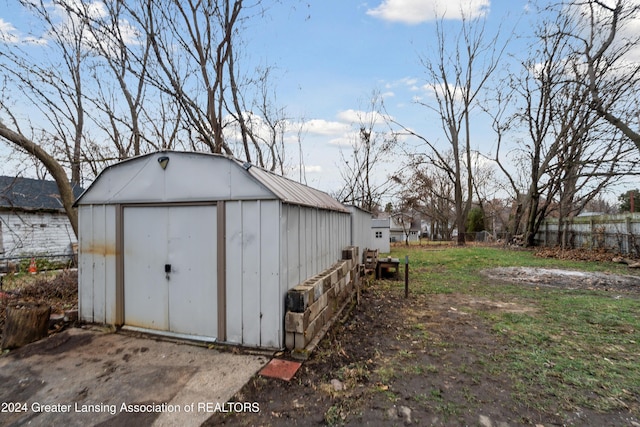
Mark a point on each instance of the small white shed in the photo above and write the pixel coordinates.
(381, 235)
(201, 246)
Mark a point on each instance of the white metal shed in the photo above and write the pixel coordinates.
(380, 233)
(201, 246)
(360, 229)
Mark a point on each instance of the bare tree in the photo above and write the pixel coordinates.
(125, 57)
(457, 75)
(265, 126)
(55, 88)
(608, 49)
(368, 151)
(54, 167)
(569, 153)
(54, 85)
(429, 191)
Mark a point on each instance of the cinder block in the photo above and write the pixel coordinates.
(295, 301)
(344, 267)
(327, 283)
(300, 341)
(350, 252)
(315, 326)
(290, 340)
(296, 322)
(299, 298)
(318, 289)
(334, 277)
(318, 306)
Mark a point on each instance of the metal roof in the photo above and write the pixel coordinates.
(282, 188)
(293, 192)
(380, 223)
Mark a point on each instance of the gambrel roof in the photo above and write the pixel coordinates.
(194, 177)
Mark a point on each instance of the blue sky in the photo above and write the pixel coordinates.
(333, 54)
(330, 55)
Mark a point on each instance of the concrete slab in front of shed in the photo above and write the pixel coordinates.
(279, 368)
(87, 377)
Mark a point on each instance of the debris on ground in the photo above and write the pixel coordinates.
(600, 255)
(60, 292)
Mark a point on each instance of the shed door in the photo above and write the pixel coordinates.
(170, 281)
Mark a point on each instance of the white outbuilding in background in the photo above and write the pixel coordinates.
(201, 246)
(380, 235)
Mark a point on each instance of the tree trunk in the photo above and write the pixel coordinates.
(25, 323)
(53, 166)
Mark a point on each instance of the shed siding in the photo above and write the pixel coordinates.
(252, 273)
(97, 263)
(360, 229)
(271, 303)
(313, 239)
(234, 267)
(35, 233)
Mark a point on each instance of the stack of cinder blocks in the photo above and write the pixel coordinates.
(313, 304)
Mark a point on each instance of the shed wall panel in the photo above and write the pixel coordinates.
(293, 243)
(99, 250)
(360, 229)
(96, 261)
(271, 301)
(85, 264)
(234, 271)
(111, 255)
(305, 253)
(251, 273)
(314, 247)
(254, 313)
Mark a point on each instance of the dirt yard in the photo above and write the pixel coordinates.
(427, 360)
(420, 361)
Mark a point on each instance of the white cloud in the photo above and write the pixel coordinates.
(418, 11)
(325, 127)
(346, 140)
(8, 33)
(309, 168)
(11, 35)
(359, 116)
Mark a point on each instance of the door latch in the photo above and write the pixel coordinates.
(167, 270)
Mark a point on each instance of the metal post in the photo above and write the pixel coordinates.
(406, 276)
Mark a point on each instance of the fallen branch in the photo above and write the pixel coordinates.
(630, 262)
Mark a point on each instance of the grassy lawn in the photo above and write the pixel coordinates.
(579, 348)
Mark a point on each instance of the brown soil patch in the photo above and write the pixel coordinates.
(428, 357)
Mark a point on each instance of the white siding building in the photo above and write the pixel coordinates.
(33, 222)
(380, 235)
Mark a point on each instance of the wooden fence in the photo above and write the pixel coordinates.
(618, 233)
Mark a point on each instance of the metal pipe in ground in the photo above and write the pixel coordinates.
(406, 276)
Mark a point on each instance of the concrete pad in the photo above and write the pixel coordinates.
(90, 378)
